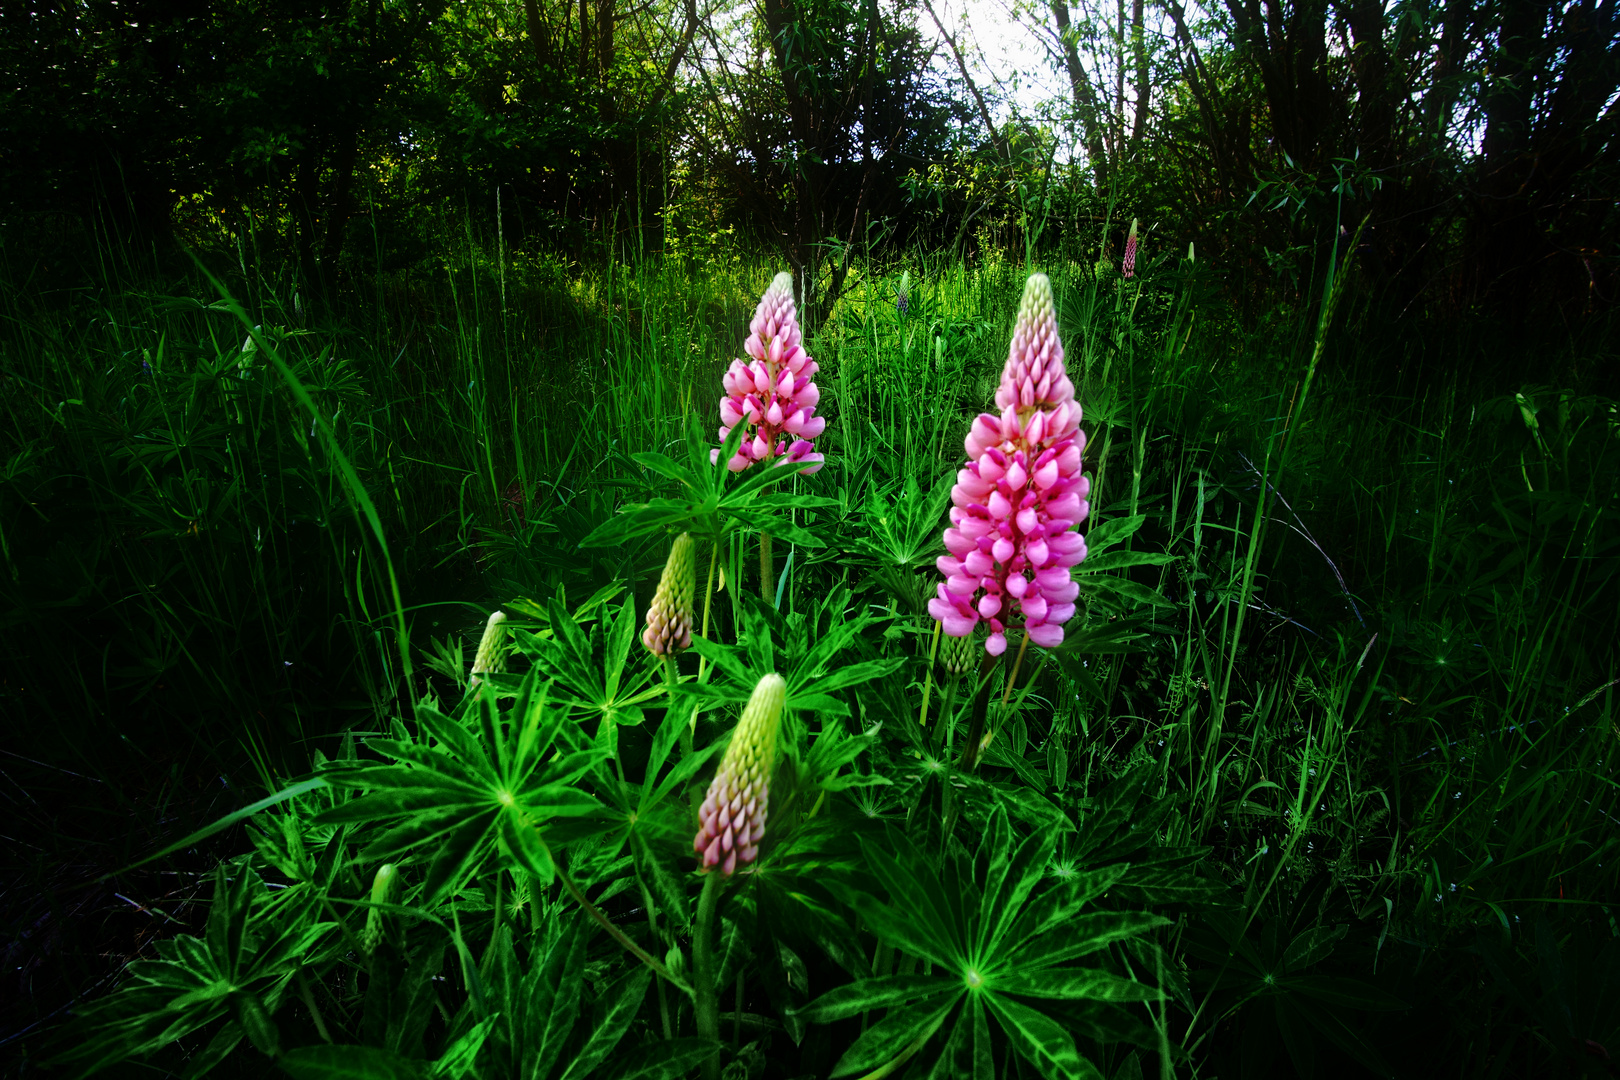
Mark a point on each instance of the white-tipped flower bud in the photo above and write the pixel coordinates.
(732, 818)
(385, 889)
(490, 657)
(669, 618)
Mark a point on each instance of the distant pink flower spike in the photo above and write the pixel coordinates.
(1015, 504)
(775, 394)
(1130, 251)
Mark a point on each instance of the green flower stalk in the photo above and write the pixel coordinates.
(669, 618)
(490, 659)
(385, 889)
(732, 818)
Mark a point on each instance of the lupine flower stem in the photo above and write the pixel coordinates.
(981, 708)
(706, 1002)
(708, 599)
(613, 931)
(767, 570)
(928, 679)
(652, 927)
(946, 701)
(1018, 662)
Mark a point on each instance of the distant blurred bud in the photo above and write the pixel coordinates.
(490, 658)
(669, 617)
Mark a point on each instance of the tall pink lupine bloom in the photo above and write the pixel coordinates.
(774, 393)
(1012, 540)
(731, 821)
(1130, 251)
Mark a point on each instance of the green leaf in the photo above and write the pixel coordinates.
(1040, 1039)
(1118, 560)
(661, 1060)
(1113, 531)
(1130, 590)
(663, 466)
(1312, 946)
(1343, 993)
(1059, 904)
(624, 998)
(1070, 983)
(880, 993)
(1082, 935)
(461, 849)
(347, 1062)
(523, 843)
(889, 1037)
(460, 1056)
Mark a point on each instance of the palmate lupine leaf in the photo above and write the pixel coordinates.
(713, 501)
(603, 688)
(811, 658)
(647, 817)
(464, 795)
(997, 948)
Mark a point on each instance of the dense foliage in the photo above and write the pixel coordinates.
(329, 330)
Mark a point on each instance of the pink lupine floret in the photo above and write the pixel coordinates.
(774, 392)
(1016, 502)
(1130, 251)
(731, 821)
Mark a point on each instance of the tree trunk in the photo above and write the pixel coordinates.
(1085, 96)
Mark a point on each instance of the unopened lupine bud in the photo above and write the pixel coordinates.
(774, 395)
(1020, 495)
(731, 821)
(956, 654)
(385, 887)
(490, 658)
(669, 617)
(1130, 251)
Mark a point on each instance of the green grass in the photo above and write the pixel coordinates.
(1381, 720)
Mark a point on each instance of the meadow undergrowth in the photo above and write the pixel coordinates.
(1321, 779)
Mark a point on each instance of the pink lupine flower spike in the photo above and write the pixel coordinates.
(1015, 504)
(774, 393)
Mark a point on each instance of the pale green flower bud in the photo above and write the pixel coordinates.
(490, 659)
(732, 818)
(385, 889)
(669, 618)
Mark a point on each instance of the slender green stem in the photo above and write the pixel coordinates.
(613, 931)
(708, 598)
(1018, 662)
(928, 679)
(706, 1002)
(767, 570)
(652, 926)
(946, 701)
